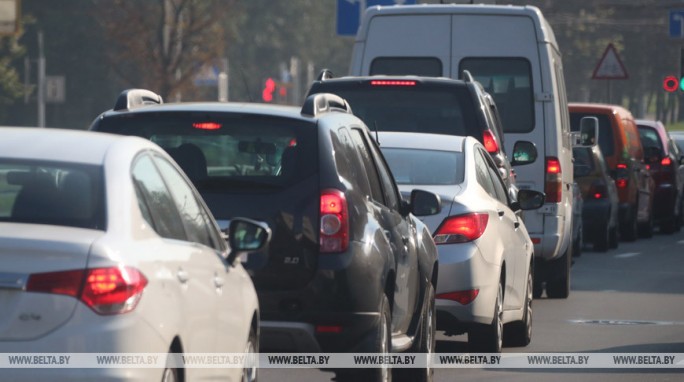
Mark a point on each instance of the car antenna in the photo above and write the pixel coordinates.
(375, 127)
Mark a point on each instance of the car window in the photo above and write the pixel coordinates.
(482, 174)
(52, 193)
(346, 160)
(389, 188)
(499, 187)
(155, 200)
(417, 166)
(509, 81)
(369, 167)
(198, 225)
(649, 138)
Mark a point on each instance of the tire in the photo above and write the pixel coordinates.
(424, 344)
(629, 228)
(558, 284)
(519, 333)
(602, 241)
(578, 243)
(613, 237)
(646, 229)
(250, 370)
(489, 338)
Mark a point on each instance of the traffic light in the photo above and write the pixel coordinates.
(269, 88)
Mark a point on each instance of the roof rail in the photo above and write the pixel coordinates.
(132, 98)
(316, 104)
(467, 77)
(325, 74)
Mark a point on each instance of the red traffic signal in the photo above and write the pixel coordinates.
(671, 84)
(269, 88)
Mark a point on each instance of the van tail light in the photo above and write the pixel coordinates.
(553, 186)
(666, 161)
(334, 236)
(463, 297)
(490, 143)
(461, 228)
(621, 177)
(112, 290)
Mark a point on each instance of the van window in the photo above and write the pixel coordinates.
(605, 130)
(509, 81)
(418, 66)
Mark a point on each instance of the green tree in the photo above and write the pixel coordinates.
(11, 86)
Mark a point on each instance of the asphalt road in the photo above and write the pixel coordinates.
(627, 300)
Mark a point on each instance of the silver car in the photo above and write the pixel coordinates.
(485, 252)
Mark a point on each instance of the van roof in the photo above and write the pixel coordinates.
(598, 107)
(543, 29)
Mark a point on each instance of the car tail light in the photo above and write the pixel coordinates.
(621, 178)
(461, 228)
(392, 83)
(334, 222)
(554, 181)
(598, 191)
(329, 329)
(666, 161)
(206, 125)
(490, 143)
(463, 297)
(112, 290)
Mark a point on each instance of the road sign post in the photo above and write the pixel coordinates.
(349, 13)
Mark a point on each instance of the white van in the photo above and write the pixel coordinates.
(512, 52)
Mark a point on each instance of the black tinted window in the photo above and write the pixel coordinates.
(419, 108)
(64, 194)
(369, 166)
(418, 66)
(509, 81)
(605, 130)
(649, 138)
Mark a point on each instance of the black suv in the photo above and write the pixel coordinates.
(429, 105)
(349, 267)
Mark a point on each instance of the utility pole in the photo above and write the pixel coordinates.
(41, 81)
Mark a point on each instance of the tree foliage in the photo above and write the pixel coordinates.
(11, 86)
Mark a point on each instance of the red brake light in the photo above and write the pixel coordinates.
(463, 297)
(666, 161)
(621, 183)
(392, 83)
(112, 290)
(328, 329)
(66, 282)
(554, 182)
(206, 125)
(490, 143)
(461, 228)
(621, 166)
(334, 231)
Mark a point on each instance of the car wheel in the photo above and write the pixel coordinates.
(249, 370)
(646, 229)
(171, 374)
(558, 284)
(424, 345)
(613, 238)
(519, 333)
(489, 338)
(629, 228)
(602, 240)
(578, 243)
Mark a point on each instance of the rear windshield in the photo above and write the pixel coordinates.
(52, 193)
(219, 153)
(605, 130)
(509, 81)
(414, 166)
(419, 108)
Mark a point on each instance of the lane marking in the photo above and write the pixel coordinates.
(626, 255)
(680, 242)
(625, 322)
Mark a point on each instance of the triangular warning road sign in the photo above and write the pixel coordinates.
(610, 66)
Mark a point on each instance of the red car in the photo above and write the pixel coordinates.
(667, 170)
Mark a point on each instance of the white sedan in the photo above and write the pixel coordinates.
(485, 252)
(107, 248)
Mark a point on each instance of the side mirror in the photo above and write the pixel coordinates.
(424, 203)
(528, 200)
(246, 235)
(524, 152)
(589, 134)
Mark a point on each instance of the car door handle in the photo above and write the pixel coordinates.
(218, 282)
(405, 240)
(516, 224)
(182, 275)
(500, 212)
